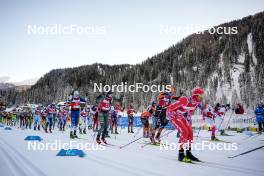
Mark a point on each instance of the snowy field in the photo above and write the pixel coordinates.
(16, 159)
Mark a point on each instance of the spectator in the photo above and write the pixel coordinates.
(239, 109)
(260, 117)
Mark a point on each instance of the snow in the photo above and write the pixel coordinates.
(16, 159)
(241, 58)
(250, 48)
(249, 43)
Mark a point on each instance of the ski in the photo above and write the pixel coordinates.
(225, 134)
(219, 140)
(252, 136)
(149, 143)
(107, 145)
(249, 151)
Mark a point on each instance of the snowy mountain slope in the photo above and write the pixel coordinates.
(230, 67)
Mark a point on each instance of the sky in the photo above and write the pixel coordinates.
(118, 31)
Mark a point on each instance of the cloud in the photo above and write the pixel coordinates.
(4, 78)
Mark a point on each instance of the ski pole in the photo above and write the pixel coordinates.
(221, 123)
(138, 131)
(199, 131)
(130, 142)
(229, 120)
(160, 138)
(246, 152)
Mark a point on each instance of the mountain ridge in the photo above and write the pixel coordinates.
(229, 67)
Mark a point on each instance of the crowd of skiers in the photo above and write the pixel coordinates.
(103, 117)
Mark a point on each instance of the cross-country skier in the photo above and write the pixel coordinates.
(50, 110)
(63, 113)
(130, 116)
(209, 117)
(160, 120)
(37, 118)
(220, 115)
(147, 120)
(175, 112)
(84, 120)
(75, 107)
(105, 102)
(115, 111)
(94, 113)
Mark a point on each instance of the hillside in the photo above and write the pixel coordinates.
(230, 67)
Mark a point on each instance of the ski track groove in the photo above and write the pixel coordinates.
(11, 163)
(223, 167)
(229, 168)
(122, 165)
(25, 166)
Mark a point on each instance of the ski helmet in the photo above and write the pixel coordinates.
(197, 94)
(76, 93)
(198, 91)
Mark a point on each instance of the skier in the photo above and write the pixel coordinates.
(115, 110)
(94, 113)
(260, 117)
(209, 118)
(50, 110)
(62, 118)
(75, 105)
(83, 121)
(130, 116)
(147, 120)
(160, 120)
(220, 115)
(175, 112)
(105, 101)
(14, 118)
(37, 118)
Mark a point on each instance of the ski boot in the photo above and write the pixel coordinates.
(103, 140)
(178, 134)
(71, 135)
(84, 131)
(50, 131)
(107, 135)
(152, 140)
(157, 138)
(80, 131)
(183, 158)
(74, 134)
(46, 131)
(213, 138)
(39, 128)
(98, 140)
(116, 132)
(190, 156)
(34, 128)
(132, 130)
(181, 155)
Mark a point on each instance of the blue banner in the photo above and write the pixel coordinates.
(71, 152)
(123, 122)
(8, 128)
(33, 138)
